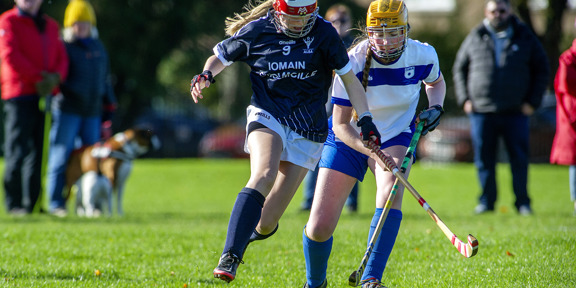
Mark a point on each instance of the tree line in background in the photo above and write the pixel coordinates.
(157, 46)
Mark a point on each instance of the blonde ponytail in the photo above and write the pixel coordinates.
(365, 74)
(253, 11)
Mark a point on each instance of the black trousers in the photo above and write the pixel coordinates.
(23, 140)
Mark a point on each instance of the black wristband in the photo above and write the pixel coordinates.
(209, 76)
(438, 107)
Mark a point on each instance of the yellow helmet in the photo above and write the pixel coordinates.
(387, 27)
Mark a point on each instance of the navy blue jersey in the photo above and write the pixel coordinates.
(290, 76)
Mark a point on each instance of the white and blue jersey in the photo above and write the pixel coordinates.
(393, 89)
(290, 76)
(393, 92)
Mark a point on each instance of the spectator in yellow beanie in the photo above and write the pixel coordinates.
(87, 100)
(79, 11)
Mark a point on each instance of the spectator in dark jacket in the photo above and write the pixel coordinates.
(33, 61)
(77, 113)
(500, 74)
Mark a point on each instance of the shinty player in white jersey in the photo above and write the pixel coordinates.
(392, 68)
(287, 121)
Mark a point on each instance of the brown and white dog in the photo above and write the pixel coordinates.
(104, 167)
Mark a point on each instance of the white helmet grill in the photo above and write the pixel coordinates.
(295, 18)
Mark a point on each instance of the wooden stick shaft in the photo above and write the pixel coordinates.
(376, 233)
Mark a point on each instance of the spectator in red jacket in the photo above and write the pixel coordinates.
(33, 63)
(563, 147)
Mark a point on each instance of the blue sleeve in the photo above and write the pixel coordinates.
(341, 102)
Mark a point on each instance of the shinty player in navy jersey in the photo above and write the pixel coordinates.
(291, 52)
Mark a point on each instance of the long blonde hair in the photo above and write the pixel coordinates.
(253, 11)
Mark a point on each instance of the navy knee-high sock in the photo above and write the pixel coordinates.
(384, 244)
(244, 218)
(316, 255)
(257, 236)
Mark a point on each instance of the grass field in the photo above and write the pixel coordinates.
(177, 213)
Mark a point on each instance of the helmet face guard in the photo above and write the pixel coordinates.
(387, 28)
(388, 43)
(295, 18)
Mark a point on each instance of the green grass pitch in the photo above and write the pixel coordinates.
(177, 213)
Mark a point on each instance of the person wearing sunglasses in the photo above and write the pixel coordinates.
(500, 75)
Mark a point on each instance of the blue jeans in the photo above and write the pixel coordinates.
(66, 127)
(310, 186)
(572, 179)
(486, 130)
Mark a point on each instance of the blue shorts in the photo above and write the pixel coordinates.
(340, 157)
